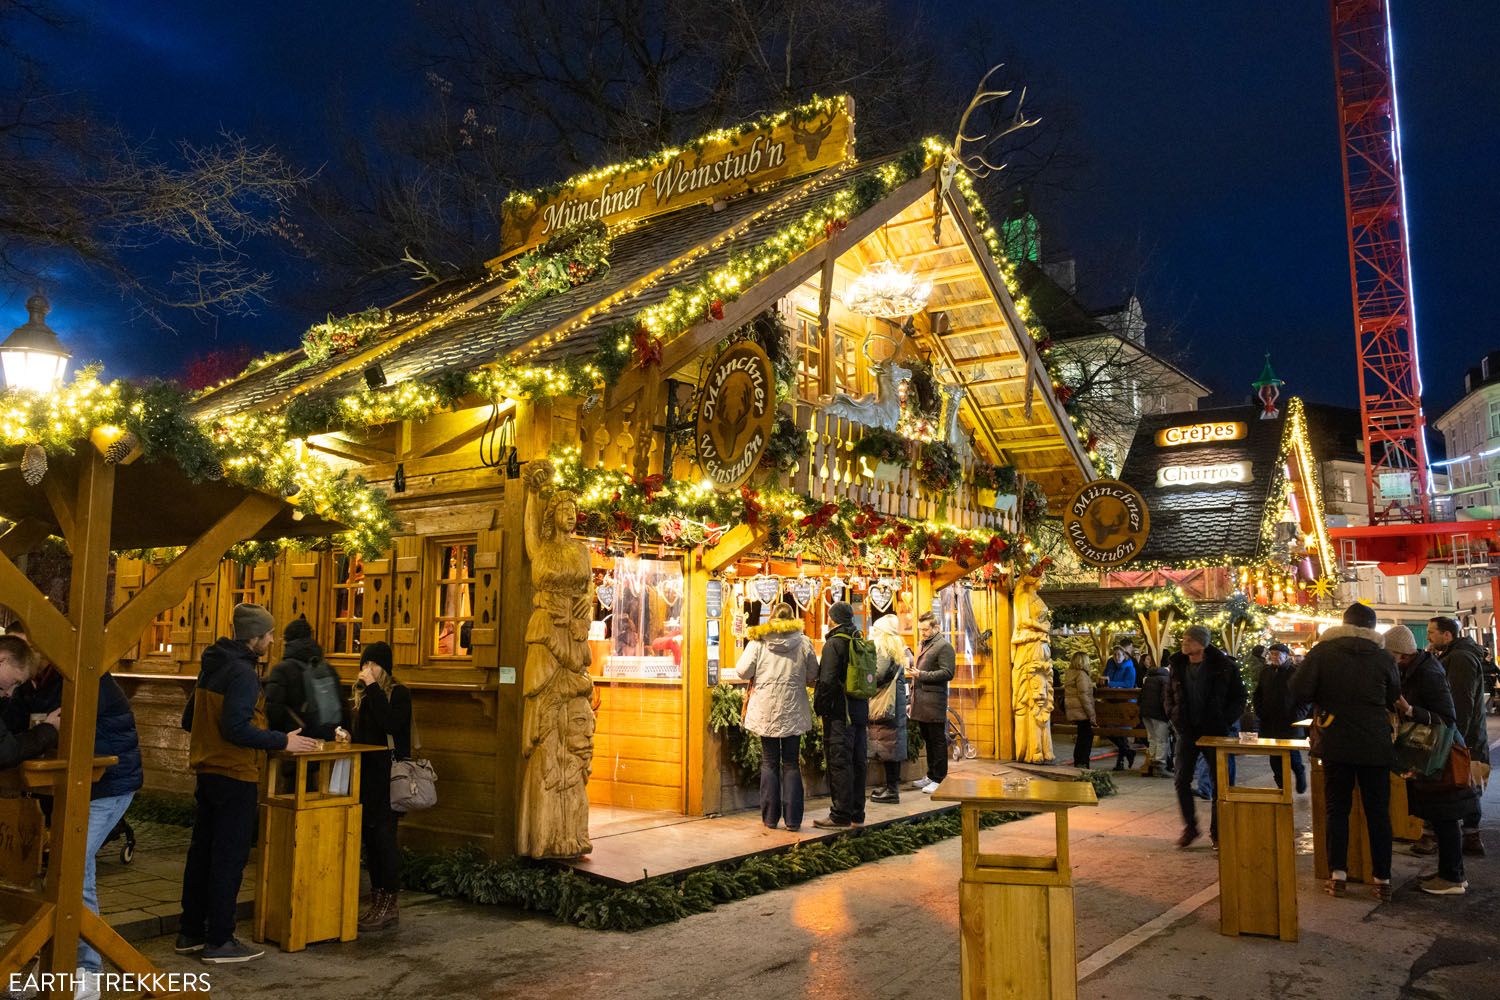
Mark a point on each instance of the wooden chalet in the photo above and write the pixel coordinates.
(453, 594)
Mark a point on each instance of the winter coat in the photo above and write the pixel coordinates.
(227, 715)
(1275, 706)
(1078, 695)
(829, 699)
(115, 736)
(1425, 687)
(936, 664)
(1463, 661)
(888, 736)
(1223, 697)
(1153, 700)
(39, 696)
(1119, 675)
(780, 667)
(1351, 677)
(286, 694)
(26, 744)
(380, 719)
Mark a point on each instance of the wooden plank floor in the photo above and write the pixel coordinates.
(631, 848)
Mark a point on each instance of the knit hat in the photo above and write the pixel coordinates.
(251, 621)
(1400, 640)
(378, 653)
(841, 613)
(1360, 616)
(1281, 648)
(298, 629)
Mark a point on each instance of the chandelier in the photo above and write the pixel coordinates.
(887, 291)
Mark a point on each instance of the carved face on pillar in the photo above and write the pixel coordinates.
(564, 517)
(580, 730)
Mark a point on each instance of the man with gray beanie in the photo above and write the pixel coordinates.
(226, 716)
(1204, 697)
(846, 722)
(1352, 684)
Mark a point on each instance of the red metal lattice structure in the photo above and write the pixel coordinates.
(1390, 384)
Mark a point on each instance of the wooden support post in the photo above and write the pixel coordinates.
(1005, 714)
(702, 793)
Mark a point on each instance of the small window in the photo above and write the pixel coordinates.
(1379, 588)
(847, 371)
(1401, 590)
(348, 612)
(453, 599)
(1495, 419)
(808, 350)
(158, 638)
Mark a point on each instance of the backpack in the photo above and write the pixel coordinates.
(859, 676)
(322, 707)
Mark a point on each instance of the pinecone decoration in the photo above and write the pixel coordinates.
(34, 464)
(290, 490)
(215, 471)
(121, 448)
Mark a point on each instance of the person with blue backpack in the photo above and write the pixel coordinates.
(846, 681)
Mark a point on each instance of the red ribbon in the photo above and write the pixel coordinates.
(647, 348)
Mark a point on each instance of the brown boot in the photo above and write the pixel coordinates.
(375, 919)
(372, 906)
(1473, 846)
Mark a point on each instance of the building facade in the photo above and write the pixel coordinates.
(1471, 432)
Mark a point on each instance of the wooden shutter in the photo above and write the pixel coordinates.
(181, 634)
(484, 640)
(304, 574)
(206, 613)
(407, 601)
(260, 578)
(377, 601)
(130, 577)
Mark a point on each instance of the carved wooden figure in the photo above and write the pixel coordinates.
(558, 720)
(1031, 672)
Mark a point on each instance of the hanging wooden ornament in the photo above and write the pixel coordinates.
(803, 590)
(834, 592)
(670, 590)
(882, 592)
(765, 588)
(604, 593)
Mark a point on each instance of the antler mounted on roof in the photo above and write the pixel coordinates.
(973, 158)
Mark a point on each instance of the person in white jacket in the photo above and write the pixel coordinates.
(780, 664)
(1078, 695)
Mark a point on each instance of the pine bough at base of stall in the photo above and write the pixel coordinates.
(575, 899)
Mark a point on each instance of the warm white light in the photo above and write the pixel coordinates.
(888, 292)
(32, 356)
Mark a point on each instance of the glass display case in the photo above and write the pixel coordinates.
(637, 631)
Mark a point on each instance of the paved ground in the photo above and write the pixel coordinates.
(1147, 927)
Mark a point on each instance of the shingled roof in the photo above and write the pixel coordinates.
(1214, 522)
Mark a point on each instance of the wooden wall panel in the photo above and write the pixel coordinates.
(638, 747)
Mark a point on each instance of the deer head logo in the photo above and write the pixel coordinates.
(810, 136)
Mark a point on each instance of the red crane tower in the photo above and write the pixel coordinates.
(1390, 384)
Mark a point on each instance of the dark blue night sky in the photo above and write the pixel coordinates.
(1208, 129)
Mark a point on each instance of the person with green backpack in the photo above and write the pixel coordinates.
(303, 690)
(846, 682)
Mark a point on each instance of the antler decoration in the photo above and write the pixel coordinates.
(975, 161)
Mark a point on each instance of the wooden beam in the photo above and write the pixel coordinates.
(46, 628)
(949, 273)
(983, 300)
(26, 941)
(989, 359)
(976, 331)
(342, 447)
(908, 223)
(997, 379)
(1036, 444)
(736, 542)
(56, 491)
(166, 589)
(917, 256)
(24, 536)
(951, 572)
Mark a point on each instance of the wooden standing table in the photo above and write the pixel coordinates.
(307, 888)
(1016, 924)
(1257, 860)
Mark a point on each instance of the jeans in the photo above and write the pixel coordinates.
(844, 745)
(103, 815)
(1188, 753)
(1157, 734)
(1375, 791)
(1083, 743)
(382, 853)
(1297, 770)
(1450, 844)
(935, 738)
(216, 857)
(780, 781)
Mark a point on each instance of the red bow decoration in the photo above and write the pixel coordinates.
(716, 309)
(624, 525)
(1093, 441)
(753, 509)
(820, 517)
(652, 485)
(1044, 345)
(995, 549)
(1063, 394)
(647, 348)
(835, 226)
(963, 552)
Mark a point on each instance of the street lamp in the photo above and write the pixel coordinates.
(32, 356)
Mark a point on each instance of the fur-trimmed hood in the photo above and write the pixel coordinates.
(1354, 632)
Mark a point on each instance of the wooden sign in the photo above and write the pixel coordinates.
(1209, 433)
(1107, 523)
(20, 840)
(735, 414)
(1204, 475)
(724, 164)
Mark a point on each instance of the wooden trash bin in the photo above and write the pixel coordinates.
(307, 886)
(1016, 925)
(1257, 859)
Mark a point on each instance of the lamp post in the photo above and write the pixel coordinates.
(32, 356)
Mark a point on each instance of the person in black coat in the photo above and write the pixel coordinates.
(1351, 681)
(1276, 708)
(1204, 697)
(1464, 662)
(382, 716)
(1426, 698)
(845, 724)
(935, 666)
(18, 740)
(286, 694)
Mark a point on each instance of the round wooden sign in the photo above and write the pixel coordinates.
(1107, 523)
(735, 414)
